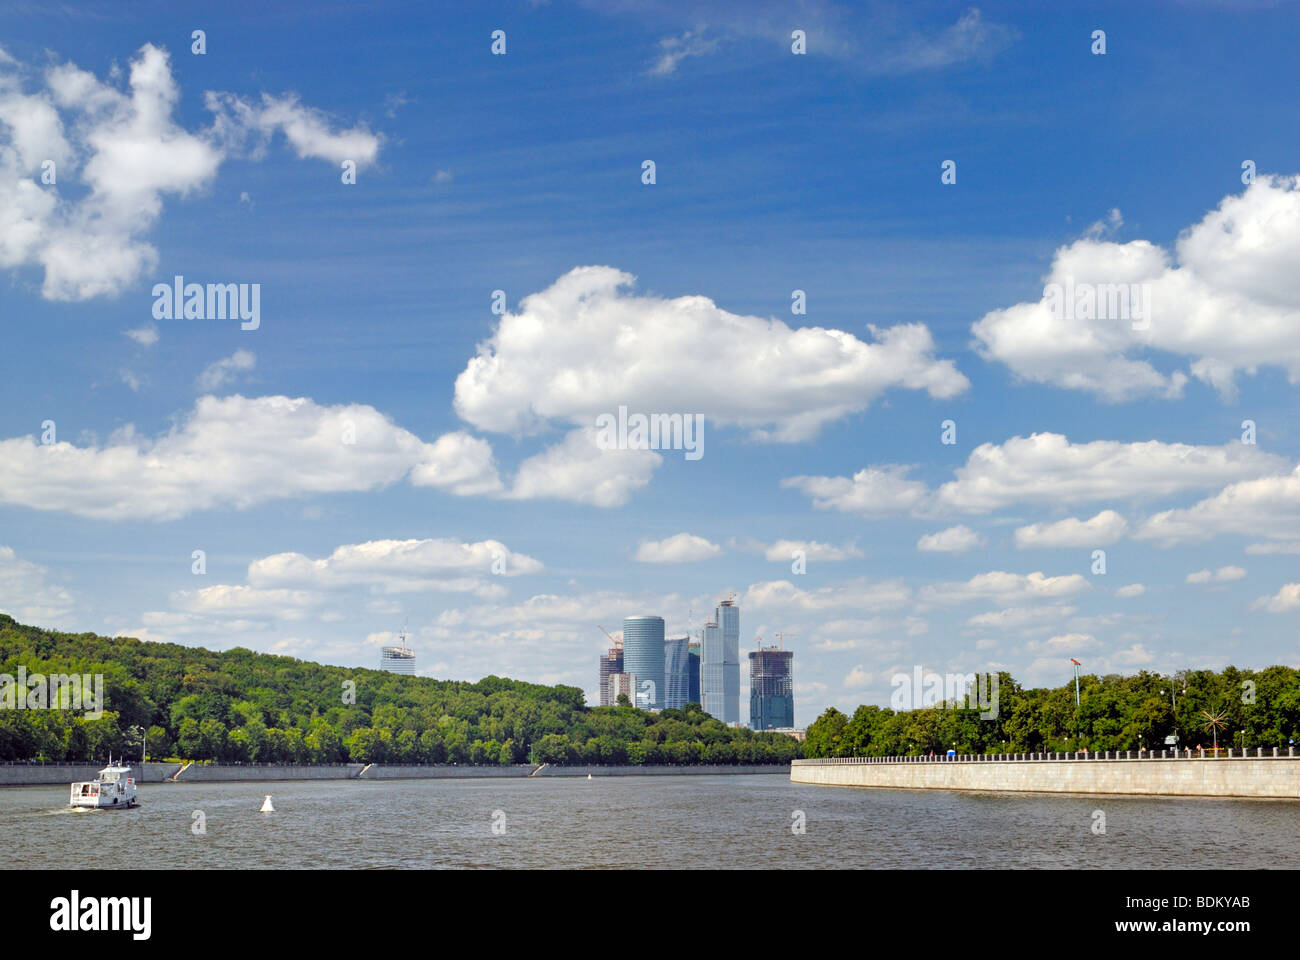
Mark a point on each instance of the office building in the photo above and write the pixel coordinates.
(728, 627)
(771, 689)
(397, 659)
(677, 676)
(693, 673)
(643, 658)
(711, 660)
(610, 664)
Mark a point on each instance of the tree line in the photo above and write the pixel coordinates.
(240, 706)
(1251, 709)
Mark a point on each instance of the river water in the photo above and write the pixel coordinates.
(643, 822)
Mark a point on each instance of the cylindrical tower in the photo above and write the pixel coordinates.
(643, 657)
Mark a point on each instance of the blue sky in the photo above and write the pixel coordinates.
(775, 172)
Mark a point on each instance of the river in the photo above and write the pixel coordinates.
(638, 822)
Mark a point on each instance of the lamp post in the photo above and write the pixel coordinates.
(1077, 665)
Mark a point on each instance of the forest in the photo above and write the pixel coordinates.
(169, 701)
(1233, 708)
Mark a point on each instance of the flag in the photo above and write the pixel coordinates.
(1075, 662)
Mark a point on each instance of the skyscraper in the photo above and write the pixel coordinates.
(693, 674)
(711, 662)
(677, 677)
(399, 659)
(610, 663)
(643, 658)
(728, 618)
(771, 689)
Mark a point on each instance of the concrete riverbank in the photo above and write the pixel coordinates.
(65, 773)
(1261, 777)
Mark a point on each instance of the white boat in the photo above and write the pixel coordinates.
(113, 789)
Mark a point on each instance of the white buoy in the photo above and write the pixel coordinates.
(266, 805)
(588, 776)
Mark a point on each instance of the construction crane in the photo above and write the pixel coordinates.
(617, 643)
(781, 638)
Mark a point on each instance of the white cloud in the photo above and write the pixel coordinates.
(1006, 588)
(1019, 618)
(1100, 531)
(1046, 468)
(226, 600)
(1267, 507)
(117, 154)
(145, 336)
(1285, 600)
(220, 372)
(1227, 301)
(871, 491)
(971, 38)
(672, 50)
(308, 130)
(397, 566)
(586, 345)
(1283, 546)
(230, 451)
(681, 548)
(578, 469)
(1131, 590)
(782, 551)
(27, 594)
(776, 596)
(1222, 575)
(956, 539)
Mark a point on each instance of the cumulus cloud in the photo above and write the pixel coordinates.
(1131, 590)
(1020, 618)
(1226, 302)
(1006, 587)
(116, 154)
(1222, 575)
(782, 551)
(870, 491)
(1044, 468)
(1100, 531)
(681, 548)
(27, 594)
(396, 566)
(956, 539)
(233, 452)
(219, 373)
(776, 596)
(145, 336)
(1284, 601)
(578, 469)
(587, 344)
(1267, 507)
(248, 126)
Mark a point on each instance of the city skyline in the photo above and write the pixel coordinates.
(941, 336)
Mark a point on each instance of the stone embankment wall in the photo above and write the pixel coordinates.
(1162, 775)
(212, 772)
(34, 774)
(65, 773)
(660, 771)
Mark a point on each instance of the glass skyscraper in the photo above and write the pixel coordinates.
(728, 617)
(711, 660)
(771, 689)
(677, 672)
(643, 658)
(693, 666)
